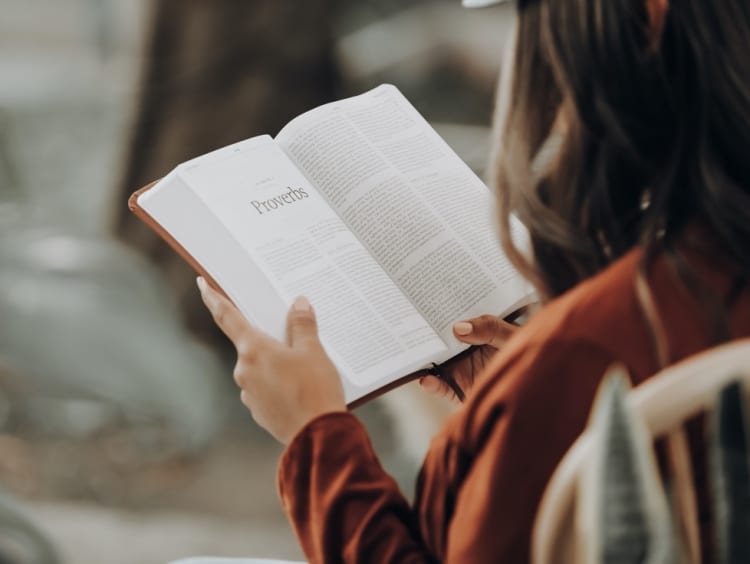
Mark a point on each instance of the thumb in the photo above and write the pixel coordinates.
(301, 326)
(484, 330)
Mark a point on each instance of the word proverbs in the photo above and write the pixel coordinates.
(289, 197)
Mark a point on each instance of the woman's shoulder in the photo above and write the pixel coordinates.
(555, 362)
(597, 309)
(601, 313)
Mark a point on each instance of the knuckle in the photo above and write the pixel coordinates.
(239, 374)
(220, 314)
(246, 351)
(251, 356)
(304, 320)
(485, 322)
(242, 348)
(245, 399)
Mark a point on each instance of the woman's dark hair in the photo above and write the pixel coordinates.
(655, 135)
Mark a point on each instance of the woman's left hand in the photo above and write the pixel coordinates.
(284, 385)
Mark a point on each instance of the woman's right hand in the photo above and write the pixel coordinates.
(488, 333)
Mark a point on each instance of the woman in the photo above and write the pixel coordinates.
(640, 230)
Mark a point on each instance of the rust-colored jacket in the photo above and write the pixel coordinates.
(485, 472)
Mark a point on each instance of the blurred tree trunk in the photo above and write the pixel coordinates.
(216, 72)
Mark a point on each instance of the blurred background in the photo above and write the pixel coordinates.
(122, 439)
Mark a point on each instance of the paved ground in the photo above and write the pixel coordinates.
(88, 534)
(221, 502)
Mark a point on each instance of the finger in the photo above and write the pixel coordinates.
(432, 385)
(484, 330)
(245, 398)
(241, 373)
(301, 325)
(227, 317)
(435, 386)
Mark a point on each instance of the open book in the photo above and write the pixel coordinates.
(360, 206)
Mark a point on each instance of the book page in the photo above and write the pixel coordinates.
(371, 331)
(179, 211)
(421, 212)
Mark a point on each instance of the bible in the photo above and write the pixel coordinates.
(360, 206)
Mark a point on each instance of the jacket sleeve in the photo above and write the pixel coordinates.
(511, 442)
(478, 492)
(341, 503)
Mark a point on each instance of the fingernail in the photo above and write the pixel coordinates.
(301, 304)
(201, 283)
(463, 328)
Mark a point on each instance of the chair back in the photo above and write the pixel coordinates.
(664, 403)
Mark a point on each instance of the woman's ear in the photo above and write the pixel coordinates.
(657, 15)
